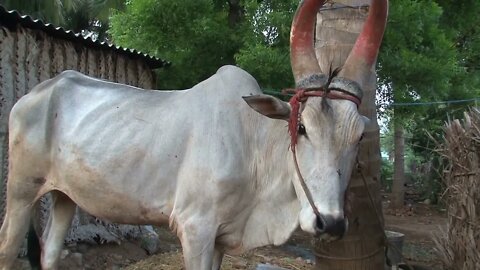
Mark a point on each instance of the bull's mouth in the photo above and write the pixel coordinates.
(327, 238)
(326, 227)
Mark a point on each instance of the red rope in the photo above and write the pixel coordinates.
(301, 96)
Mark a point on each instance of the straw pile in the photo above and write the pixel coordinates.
(459, 245)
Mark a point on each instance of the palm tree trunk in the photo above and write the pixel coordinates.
(362, 248)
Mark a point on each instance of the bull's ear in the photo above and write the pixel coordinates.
(269, 106)
(366, 120)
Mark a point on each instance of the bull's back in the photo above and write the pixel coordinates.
(76, 111)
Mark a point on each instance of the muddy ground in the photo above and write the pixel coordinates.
(417, 223)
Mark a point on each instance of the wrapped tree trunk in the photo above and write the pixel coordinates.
(362, 248)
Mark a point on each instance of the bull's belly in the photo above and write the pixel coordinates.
(132, 199)
(121, 208)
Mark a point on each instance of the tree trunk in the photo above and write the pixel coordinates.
(235, 13)
(362, 248)
(398, 185)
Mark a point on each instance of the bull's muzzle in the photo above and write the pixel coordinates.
(332, 226)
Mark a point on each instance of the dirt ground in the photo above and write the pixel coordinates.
(417, 223)
(420, 224)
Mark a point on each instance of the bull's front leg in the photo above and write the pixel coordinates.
(217, 258)
(197, 236)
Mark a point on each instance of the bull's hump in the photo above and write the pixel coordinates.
(237, 80)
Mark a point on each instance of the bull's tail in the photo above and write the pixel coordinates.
(33, 247)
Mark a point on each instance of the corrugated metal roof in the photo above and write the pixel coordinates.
(11, 19)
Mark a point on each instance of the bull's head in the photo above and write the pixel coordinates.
(325, 125)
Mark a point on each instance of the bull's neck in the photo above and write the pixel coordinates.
(274, 157)
(274, 174)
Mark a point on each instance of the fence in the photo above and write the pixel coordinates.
(459, 245)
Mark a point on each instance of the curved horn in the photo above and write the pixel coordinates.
(364, 53)
(305, 67)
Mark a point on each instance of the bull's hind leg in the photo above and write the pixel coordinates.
(21, 196)
(61, 215)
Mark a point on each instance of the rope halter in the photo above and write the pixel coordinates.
(300, 96)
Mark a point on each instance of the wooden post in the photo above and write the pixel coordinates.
(362, 248)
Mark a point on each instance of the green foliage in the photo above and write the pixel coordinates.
(194, 35)
(46, 10)
(197, 37)
(269, 65)
(430, 52)
(417, 60)
(462, 22)
(386, 174)
(89, 17)
(265, 52)
(420, 166)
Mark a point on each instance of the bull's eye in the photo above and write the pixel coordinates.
(301, 129)
(361, 138)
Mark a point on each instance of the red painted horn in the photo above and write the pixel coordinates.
(365, 51)
(305, 67)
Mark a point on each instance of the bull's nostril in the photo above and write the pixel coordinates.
(321, 224)
(330, 225)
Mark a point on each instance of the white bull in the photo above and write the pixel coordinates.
(201, 159)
